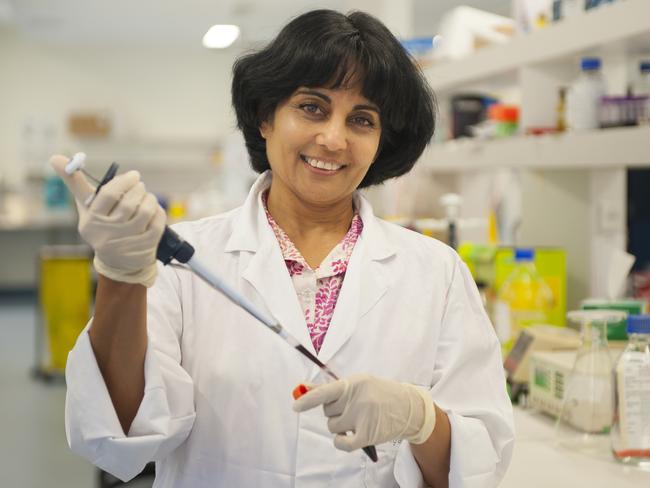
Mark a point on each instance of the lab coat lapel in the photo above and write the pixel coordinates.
(366, 280)
(268, 274)
(262, 265)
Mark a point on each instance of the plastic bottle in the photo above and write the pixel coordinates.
(631, 428)
(584, 95)
(524, 299)
(642, 88)
(55, 193)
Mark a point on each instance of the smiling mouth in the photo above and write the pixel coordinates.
(323, 165)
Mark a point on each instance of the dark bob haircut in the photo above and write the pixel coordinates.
(325, 48)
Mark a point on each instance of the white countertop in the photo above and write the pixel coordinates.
(25, 212)
(536, 463)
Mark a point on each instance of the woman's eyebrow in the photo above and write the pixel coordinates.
(324, 97)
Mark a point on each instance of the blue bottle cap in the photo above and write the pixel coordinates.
(638, 324)
(644, 66)
(590, 64)
(524, 254)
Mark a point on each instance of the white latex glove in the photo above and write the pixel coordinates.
(123, 224)
(375, 410)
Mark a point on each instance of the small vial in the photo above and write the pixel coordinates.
(631, 427)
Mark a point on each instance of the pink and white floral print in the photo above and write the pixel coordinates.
(317, 289)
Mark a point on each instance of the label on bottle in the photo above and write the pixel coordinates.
(633, 384)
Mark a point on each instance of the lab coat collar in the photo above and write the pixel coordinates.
(252, 227)
(365, 282)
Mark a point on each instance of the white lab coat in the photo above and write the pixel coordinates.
(217, 405)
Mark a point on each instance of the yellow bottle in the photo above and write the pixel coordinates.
(524, 299)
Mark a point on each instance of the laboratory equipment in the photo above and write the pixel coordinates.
(55, 193)
(622, 111)
(468, 110)
(616, 331)
(586, 414)
(505, 119)
(524, 299)
(548, 376)
(631, 426)
(78, 162)
(174, 247)
(535, 338)
(641, 88)
(584, 96)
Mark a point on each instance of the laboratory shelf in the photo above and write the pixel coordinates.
(606, 149)
(623, 26)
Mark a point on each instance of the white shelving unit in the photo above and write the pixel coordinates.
(605, 149)
(572, 186)
(623, 27)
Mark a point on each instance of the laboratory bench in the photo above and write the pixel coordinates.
(537, 463)
(25, 227)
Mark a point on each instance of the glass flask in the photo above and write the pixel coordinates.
(587, 408)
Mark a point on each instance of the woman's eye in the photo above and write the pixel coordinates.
(363, 121)
(311, 108)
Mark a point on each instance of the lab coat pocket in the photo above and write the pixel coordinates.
(380, 474)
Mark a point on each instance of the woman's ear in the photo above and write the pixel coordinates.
(264, 129)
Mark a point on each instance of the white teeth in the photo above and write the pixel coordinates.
(322, 164)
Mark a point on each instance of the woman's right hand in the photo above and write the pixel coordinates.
(123, 224)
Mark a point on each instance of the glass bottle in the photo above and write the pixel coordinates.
(631, 426)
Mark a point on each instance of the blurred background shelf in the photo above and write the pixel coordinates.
(622, 26)
(571, 150)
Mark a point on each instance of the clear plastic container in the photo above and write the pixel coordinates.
(584, 96)
(523, 300)
(631, 427)
(586, 414)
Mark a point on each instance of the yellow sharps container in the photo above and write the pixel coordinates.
(65, 300)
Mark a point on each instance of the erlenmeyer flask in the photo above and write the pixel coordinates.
(588, 403)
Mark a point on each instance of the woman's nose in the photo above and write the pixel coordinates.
(333, 135)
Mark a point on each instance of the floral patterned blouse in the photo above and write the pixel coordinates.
(317, 289)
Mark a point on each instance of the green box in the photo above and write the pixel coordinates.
(616, 331)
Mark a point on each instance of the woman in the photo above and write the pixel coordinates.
(177, 374)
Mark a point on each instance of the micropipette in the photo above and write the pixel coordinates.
(172, 246)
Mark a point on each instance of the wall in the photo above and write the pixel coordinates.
(154, 94)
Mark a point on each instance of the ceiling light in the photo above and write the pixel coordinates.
(220, 36)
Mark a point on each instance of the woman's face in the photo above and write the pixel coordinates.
(321, 142)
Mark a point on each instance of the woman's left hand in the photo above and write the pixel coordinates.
(375, 410)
